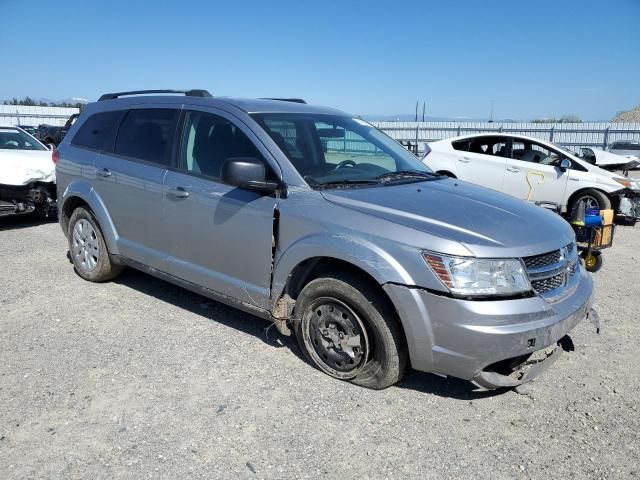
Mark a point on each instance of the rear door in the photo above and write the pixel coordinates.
(533, 173)
(481, 160)
(129, 179)
(221, 235)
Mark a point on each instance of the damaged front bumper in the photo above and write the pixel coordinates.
(36, 197)
(491, 343)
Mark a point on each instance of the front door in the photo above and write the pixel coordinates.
(533, 173)
(221, 236)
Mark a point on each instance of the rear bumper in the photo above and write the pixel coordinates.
(465, 338)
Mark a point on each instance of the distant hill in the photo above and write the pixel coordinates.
(632, 115)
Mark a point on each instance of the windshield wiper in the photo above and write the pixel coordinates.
(408, 174)
(344, 183)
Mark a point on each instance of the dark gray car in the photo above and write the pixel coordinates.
(321, 223)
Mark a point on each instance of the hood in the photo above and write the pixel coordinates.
(21, 167)
(487, 222)
(604, 157)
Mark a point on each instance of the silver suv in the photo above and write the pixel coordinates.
(319, 222)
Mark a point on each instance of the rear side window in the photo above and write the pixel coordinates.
(96, 132)
(147, 134)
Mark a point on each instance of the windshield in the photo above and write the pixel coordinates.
(330, 150)
(11, 139)
(625, 146)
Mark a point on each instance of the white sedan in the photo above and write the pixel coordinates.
(27, 174)
(533, 170)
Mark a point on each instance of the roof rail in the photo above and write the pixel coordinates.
(188, 93)
(294, 100)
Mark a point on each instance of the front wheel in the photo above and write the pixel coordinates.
(348, 330)
(593, 199)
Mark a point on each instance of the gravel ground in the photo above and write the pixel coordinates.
(138, 378)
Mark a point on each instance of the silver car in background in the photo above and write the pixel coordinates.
(319, 222)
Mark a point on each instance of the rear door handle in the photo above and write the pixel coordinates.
(103, 172)
(464, 160)
(179, 192)
(513, 169)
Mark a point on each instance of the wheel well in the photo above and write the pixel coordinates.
(317, 267)
(67, 210)
(447, 173)
(577, 193)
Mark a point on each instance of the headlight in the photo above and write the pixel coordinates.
(627, 182)
(466, 276)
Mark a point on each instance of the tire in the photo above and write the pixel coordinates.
(592, 261)
(88, 249)
(349, 330)
(593, 198)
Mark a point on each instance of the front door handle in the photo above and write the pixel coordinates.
(464, 160)
(103, 172)
(513, 169)
(179, 192)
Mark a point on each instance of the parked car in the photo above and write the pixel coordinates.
(626, 148)
(30, 129)
(27, 174)
(321, 223)
(607, 160)
(52, 135)
(534, 170)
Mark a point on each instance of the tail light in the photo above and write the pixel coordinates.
(55, 155)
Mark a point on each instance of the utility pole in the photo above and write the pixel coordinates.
(491, 115)
(424, 106)
(416, 110)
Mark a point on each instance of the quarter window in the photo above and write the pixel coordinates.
(97, 131)
(146, 135)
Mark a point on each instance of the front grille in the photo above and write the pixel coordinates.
(542, 286)
(552, 270)
(543, 260)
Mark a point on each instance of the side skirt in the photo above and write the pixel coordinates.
(206, 292)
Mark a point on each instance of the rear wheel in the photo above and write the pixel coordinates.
(348, 330)
(88, 249)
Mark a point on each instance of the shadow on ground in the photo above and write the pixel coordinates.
(164, 291)
(14, 222)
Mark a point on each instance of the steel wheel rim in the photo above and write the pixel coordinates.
(590, 261)
(86, 248)
(337, 337)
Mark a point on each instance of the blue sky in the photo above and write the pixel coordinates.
(534, 58)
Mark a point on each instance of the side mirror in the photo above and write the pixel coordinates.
(565, 164)
(249, 173)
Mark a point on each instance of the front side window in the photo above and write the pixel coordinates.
(12, 139)
(533, 152)
(146, 134)
(208, 141)
(332, 149)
